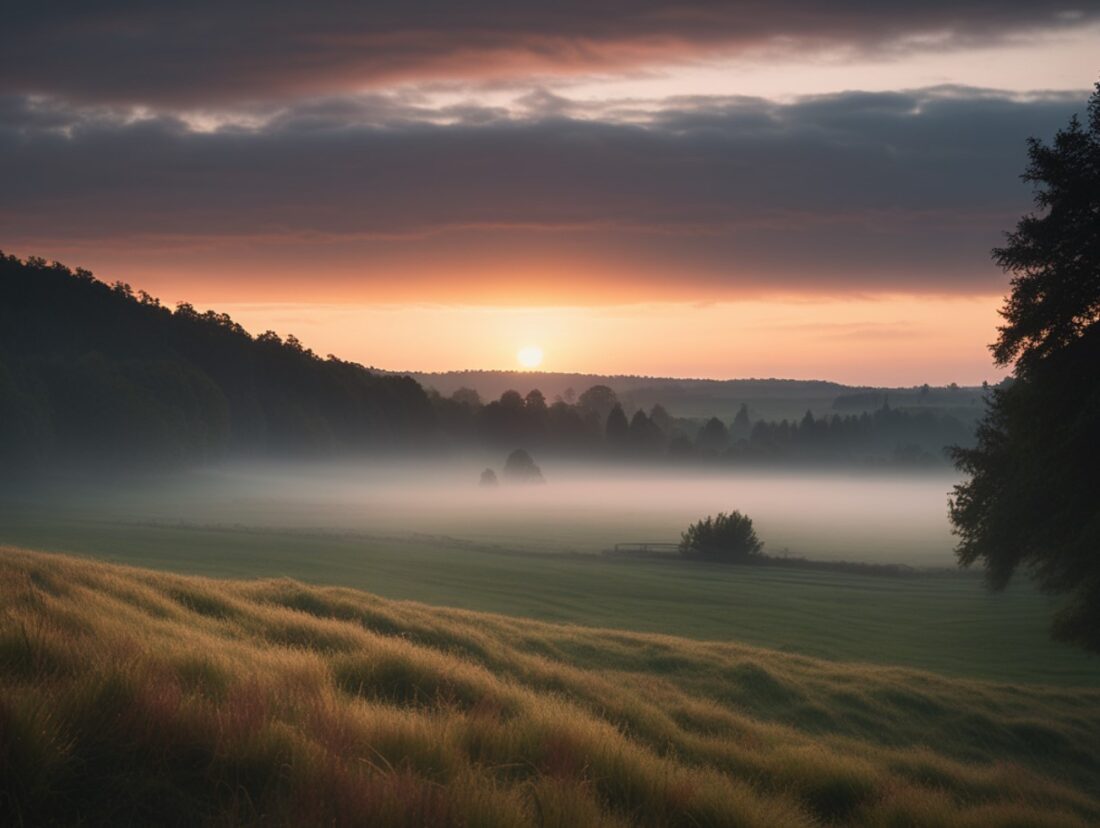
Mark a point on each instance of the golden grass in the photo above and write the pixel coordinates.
(129, 696)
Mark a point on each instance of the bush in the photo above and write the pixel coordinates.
(520, 468)
(726, 538)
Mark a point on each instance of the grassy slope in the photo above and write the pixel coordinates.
(950, 625)
(133, 696)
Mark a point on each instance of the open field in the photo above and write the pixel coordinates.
(143, 697)
(945, 623)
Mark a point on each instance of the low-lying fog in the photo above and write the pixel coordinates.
(877, 517)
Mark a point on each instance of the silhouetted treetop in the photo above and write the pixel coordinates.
(598, 399)
(617, 428)
(730, 538)
(1054, 254)
(519, 467)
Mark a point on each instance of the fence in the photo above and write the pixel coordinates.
(644, 549)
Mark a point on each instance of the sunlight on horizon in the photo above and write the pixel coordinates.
(529, 356)
(895, 341)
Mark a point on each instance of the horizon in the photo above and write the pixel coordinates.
(995, 374)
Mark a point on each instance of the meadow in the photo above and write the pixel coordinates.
(152, 698)
(941, 621)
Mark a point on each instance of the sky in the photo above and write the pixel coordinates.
(792, 188)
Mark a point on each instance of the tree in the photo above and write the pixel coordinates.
(645, 435)
(535, 401)
(467, 396)
(511, 401)
(1032, 500)
(565, 427)
(713, 436)
(617, 428)
(729, 538)
(600, 399)
(520, 468)
(660, 418)
(741, 424)
(488, 478)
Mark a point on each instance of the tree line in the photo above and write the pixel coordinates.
(597, 422)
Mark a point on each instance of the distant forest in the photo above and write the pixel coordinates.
(598, 424)
(95, 375)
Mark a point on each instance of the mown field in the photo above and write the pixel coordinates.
(945, 623)
(136, 697)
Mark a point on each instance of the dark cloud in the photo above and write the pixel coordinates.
(897, 191)
(208, 52)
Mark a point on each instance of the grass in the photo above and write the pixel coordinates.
(141, 697)
(950, 625)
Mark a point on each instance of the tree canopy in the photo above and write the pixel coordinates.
(1032, 500)
(730, 538)
(519, 467)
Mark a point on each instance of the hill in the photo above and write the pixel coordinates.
(148, 698)
(94, 374)
(96, 377)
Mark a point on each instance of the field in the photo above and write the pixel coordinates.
(150, 698)
(947, 623)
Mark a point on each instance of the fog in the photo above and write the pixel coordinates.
(873, 517)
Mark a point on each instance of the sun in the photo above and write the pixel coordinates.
(530, 356)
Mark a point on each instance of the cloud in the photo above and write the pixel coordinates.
(213, 53)
(881, 192)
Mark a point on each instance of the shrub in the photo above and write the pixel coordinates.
(520, 468)
(726, 538)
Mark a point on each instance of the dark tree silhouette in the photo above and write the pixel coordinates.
(741, 424)
(660, 417)
(713, 436)
(488, 478)
(617, 428)
(511, 401)
(1033, 497)
(598, 399)
(535, 401)
(645, 436)
(520, 468)
(468, 397)
(729, 538)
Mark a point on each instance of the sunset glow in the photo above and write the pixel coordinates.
(530, 356)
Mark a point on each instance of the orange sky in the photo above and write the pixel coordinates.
(882, 341)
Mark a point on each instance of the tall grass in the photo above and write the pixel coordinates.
(128, 696)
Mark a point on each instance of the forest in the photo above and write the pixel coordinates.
(96, 373)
